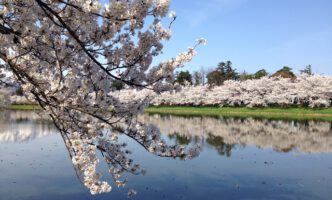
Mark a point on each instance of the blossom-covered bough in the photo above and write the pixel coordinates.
(66, 55)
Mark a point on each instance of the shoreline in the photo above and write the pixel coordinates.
(324, 114)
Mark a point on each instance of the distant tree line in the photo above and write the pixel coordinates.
(225, 71)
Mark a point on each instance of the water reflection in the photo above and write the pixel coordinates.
(225, 133)
(83, 150)
(20, 126)
(241, 173)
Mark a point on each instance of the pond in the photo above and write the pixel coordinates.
(241, 158)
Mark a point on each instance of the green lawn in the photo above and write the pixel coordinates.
(324, 114)
(274, 113)
(24, 107)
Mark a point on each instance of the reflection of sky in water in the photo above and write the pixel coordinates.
(41, 169)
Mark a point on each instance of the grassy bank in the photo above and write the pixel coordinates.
(24, 107)
(324, 114)
(271, 113)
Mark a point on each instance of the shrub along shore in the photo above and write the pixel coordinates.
(296, 113)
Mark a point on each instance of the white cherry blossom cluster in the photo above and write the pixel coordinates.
(172, 14)
(162, 7)
(84, 159)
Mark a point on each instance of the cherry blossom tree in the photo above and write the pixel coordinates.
(66, 55)
(305, 91)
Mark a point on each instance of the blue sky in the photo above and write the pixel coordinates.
(255, 34)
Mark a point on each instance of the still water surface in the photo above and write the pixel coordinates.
(241, 159)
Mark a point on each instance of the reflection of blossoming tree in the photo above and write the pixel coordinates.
(18, 126)
(66, 55)
(225, 133)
